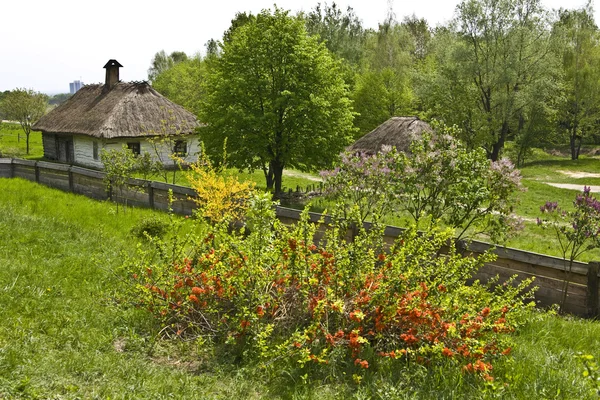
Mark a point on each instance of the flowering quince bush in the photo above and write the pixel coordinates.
(577, 230)
(276, 296)
(441, 180)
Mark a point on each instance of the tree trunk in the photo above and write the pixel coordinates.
(277, 168)
(269, 177)
(572, 140)
(499, 145)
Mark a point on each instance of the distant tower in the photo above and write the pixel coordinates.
(75, 86)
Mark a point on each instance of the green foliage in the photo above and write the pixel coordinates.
(162, 62)
(576, 36)
(182, 83)
(591, 371)
(384, 86)
(24, 106)
(278, 112)
(342, 32)
(150, 228)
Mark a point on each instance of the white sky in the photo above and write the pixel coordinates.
(45, 44)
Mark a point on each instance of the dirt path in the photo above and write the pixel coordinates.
(297, 174)
(571, 186)
(577, 174)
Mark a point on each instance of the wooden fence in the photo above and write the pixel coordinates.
(583, 296)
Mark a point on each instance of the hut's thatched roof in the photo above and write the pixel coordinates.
(131, 109)
(399, 132)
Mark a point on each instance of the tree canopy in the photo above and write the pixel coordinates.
(276, 96)
(162, 62)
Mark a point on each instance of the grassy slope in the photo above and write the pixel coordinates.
(60, 332)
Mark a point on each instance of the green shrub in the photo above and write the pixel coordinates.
(152, 227)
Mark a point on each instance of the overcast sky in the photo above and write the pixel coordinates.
(45, 44)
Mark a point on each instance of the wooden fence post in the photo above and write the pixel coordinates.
(592, 290)
(12, 167)
(71, 183)
(37, 172)
(150, 195)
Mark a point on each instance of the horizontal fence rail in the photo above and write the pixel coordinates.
(583, 296)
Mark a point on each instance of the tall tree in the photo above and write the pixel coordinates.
(182, 83)
(384, 86)
(25, 106)
(506, 45)
(276, 96)
(577, 44)
(342, 32)
(162, 62)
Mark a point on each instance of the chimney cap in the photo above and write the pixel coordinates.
(112, 63)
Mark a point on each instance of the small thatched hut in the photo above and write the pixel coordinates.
(398, 132)
(109, 115)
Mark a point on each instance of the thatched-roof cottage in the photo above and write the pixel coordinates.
(398, 132)
(113, 114)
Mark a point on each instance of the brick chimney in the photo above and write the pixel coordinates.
(112, 73)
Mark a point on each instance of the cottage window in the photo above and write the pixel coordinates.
(95, 150)
(180, 148)
(134, 147)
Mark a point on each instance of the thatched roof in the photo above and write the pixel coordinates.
(125, 110)
(399, 132)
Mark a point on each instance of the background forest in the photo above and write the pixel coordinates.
(502, 71)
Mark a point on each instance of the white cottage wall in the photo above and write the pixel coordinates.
(84, 149)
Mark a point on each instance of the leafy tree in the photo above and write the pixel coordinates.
(182, 83)
(25, 106)
(577, 46)
(421, 34)
(488, 63)
(240, 19)
(118, 166)
(162, 62)
(383, 88)
(276, 93)
(342, 32)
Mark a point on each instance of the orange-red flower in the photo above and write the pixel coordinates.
(197, 290)
(447, 352)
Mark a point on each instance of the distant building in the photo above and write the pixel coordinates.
(75, 86)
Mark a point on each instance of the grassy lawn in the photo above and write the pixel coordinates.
(62, 335)
(13, 144)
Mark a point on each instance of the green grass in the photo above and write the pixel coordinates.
(62, 335)
(13, 144)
